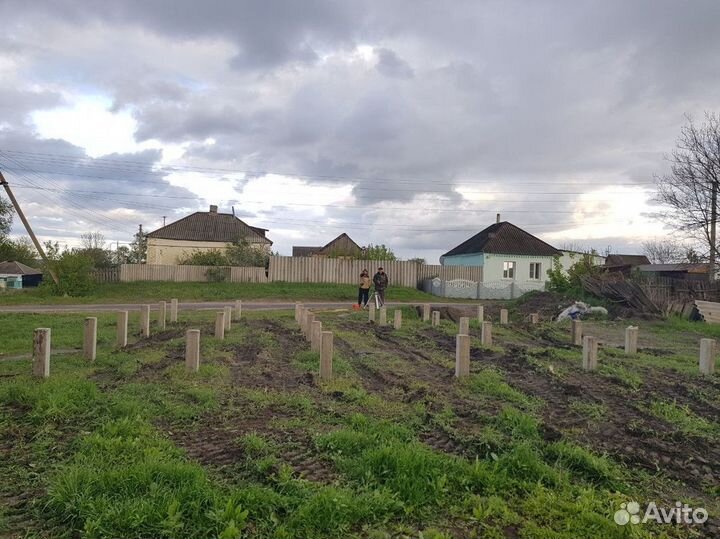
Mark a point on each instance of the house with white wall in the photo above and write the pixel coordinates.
(513, 261)
(201, 231)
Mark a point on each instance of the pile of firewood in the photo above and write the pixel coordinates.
(616, 288)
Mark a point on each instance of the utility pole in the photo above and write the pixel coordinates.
(713, 226)
(164, 219)
(25, 222)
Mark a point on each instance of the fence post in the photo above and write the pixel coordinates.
(192, 350)
(145, 320)
(464, 325)
(707, 356)
(122, 328)
(426, 312)
(503, 316)
(480, 314)
(631, 340)
(298, 307)
(316, 336)
(162, 316)
(90, 338)
(371, 312)
(486, 334)
(534, 318)
(435, 318)
(576, 332)
(462, 355)
(220, 325)
(41, 353)
(238, 309)
(383, 316)
(173, 311)
(590, 353)
(397, 322)
(228, 317)
(326, 355)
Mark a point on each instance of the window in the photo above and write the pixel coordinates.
(535, 270)
(508, 270)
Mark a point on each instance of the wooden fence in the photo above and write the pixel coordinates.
(345, 271)
(157, 272)
(299, 270)
(107, 275)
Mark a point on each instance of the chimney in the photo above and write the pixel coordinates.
(213, 208)
(497, 219)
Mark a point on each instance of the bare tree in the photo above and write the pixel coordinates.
(664, 251)
(92, 240)
(689, 191)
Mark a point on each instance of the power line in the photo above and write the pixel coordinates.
(144, 167)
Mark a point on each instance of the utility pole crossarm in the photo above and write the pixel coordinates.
(25, 222)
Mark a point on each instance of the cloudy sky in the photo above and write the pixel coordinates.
(410, 123)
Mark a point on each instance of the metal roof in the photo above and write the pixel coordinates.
(504, 238)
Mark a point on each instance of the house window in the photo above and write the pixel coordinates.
(508, 270)
(535, 270)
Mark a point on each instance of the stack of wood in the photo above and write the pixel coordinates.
(614, 287)
(709, 311)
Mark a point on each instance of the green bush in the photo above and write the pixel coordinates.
(73, 272)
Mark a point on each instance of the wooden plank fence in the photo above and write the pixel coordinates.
(106, 275)
(178, 274)
(298, 270)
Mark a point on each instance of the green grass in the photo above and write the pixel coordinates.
(100, 445)
(684, 419)
(144, 291)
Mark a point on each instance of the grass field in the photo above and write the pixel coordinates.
(254, 445)
(147, 291)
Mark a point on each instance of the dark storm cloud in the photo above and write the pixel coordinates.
(500, 91)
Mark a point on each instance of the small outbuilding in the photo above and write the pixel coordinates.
(18, 275)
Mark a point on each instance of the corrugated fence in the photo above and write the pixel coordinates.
(301, 270)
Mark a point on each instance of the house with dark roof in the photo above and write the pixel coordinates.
(18, 275)
(201, 231)
(342, 246)
(507, 254)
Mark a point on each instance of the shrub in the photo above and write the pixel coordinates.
(73, 272)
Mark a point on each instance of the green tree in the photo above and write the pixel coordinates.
(138, 249)
(378, 252)
(243, 253)
(21, 250)
(418, 260)
(6, 216)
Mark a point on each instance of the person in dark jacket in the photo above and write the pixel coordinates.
(364, 290)
(381, 281)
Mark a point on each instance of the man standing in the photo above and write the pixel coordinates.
(380, 280)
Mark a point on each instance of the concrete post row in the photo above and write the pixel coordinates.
(707, 356)
(631, 340)
(41, 353)
(383, 316)
(397, 319)
(122, 328)
(220, 325)
(145, 320)
(576, 332)
(480, 314)
(534, 318)
(371, 312)
(326, 355)
(90, 338)
(316, 336)
(162, 315)
(192, 350)
(307, 330)
(426, 312)
(238, 309)
(173, 311)
(503, 316)
(228, 317)
(464, 326)
(590, 353)
(462, 355)
(486, 334)
(436, 318)
(298, 309)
